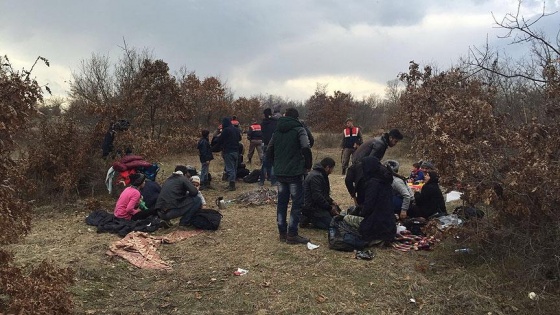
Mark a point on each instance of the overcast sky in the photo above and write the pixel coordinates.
(279, 47)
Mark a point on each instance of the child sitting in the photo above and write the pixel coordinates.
(196, 182)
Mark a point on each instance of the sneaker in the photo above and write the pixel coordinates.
(282, 237)
(296, 239)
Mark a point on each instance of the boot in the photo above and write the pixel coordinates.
(231, 186)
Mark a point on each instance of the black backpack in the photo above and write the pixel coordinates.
(253, 177)
(206, 219)
(344, 237)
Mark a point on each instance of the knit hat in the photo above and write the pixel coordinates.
(195, 179)
(137, 179)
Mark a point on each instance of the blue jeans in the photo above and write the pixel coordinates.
(185, 213)
(204, 172)
(266, 170)
(285, 191)
(230, 160)
(397, 203)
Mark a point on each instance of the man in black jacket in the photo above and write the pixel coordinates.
(229, 142)
(319, 207)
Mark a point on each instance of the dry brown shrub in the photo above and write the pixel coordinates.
(43, 289)
(513, 169)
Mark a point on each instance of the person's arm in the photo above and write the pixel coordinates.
(305, 149)
(360, 140)
(402, 189)
(349, 182)
(270, 150)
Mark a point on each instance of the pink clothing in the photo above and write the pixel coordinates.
(128, 202)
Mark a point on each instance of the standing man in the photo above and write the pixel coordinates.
(205, 155)
(229, 142)
(291, 158)
(319, 207)
(268, 127)
(255, 137)
(351, 140)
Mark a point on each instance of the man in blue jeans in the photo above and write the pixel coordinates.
(290, 156)
(229, 142)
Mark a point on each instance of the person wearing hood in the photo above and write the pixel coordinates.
(291, 158)
(379, 223)
(319, 207)
(229, 142)
(429, 200)
(178, 197)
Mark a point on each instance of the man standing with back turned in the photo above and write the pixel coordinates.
(291, 158)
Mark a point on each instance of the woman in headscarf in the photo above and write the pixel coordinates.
(429, 200)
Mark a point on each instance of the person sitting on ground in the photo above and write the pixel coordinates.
(128, 205)
(178, 197)
(318, 206)
(416, 175)
(150, 193)
(429, 200)
(196, 183)
(403, 197)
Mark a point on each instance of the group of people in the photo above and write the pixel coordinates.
(283, 143)
(178, 197)
(380, 194)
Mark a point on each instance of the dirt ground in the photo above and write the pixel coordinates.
(281, 278)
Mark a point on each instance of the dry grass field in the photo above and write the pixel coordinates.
(282, 279)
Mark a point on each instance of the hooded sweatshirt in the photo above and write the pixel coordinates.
(230, 137)
(289, 149)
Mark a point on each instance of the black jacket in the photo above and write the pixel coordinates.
(204, 150)
(430, 199)
(316, 193)
(230, 137)
(268, 126)
(379, 219)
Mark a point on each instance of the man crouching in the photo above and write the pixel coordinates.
(319, 208)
